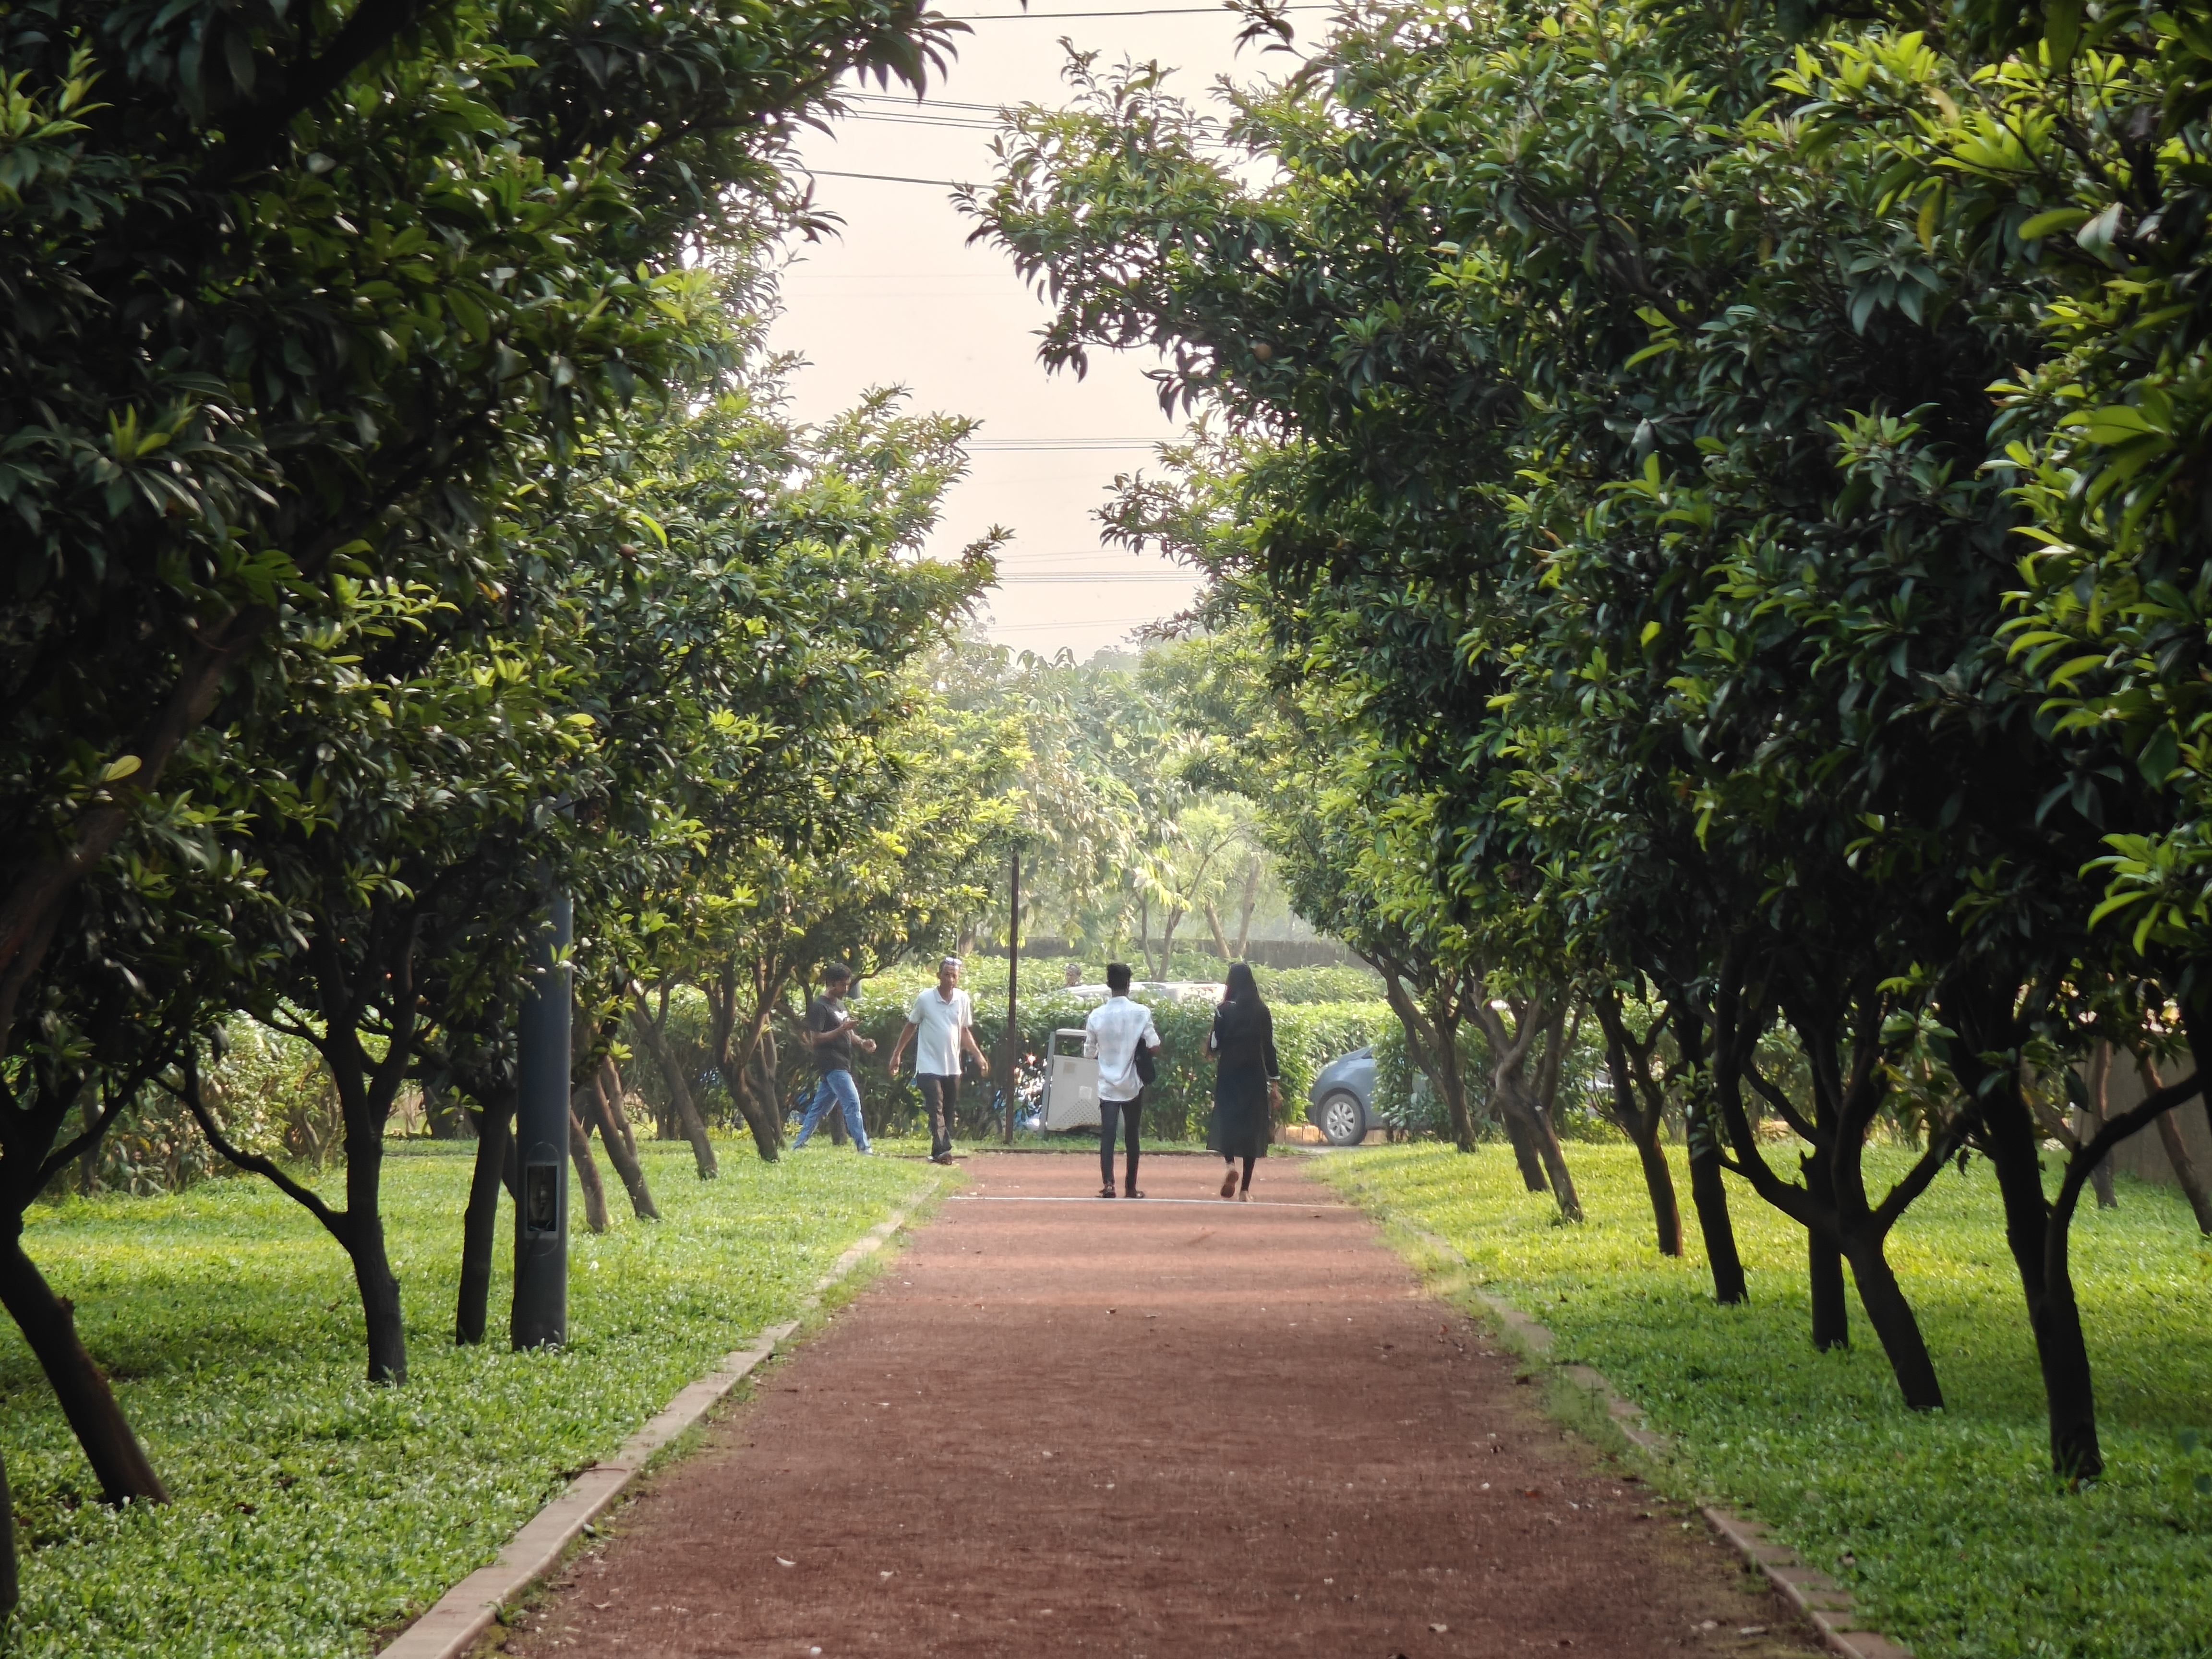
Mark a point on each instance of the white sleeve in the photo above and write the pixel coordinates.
(1091, 1035)
(1150, 1037)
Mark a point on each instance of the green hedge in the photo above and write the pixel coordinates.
(1404, 1100)
(1307, 1036)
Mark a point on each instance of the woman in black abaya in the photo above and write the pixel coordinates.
(1245, 1091)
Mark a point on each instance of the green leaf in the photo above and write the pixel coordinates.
(2062, 30)
(2058, 219)
(2160, 756)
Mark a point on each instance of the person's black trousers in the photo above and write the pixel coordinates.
(1127, 1111)
(937, 1094)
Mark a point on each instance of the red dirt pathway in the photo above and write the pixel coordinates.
(1187, 1430)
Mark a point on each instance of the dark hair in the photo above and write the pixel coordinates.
(836, 974)
(1244, 989)
(1117, 976)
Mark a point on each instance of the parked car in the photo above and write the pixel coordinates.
(1342, 1103)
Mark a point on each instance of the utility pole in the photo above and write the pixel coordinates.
(1013, 1055)
(540, 1318)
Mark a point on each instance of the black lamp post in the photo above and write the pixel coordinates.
(541, 1139)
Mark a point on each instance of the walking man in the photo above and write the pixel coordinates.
(946, 1023)
(1113, 1034)
(829, 1038)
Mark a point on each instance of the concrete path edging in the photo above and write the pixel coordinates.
(452, 1627)
(1824, 1602)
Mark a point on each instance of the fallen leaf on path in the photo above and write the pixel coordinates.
(1753, 1630)
(1440, 1629)
(780, 1562)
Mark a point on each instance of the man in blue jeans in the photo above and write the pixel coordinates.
(830, 1036)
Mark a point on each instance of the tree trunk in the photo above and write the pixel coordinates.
(1832, 1314)
(1546, 1140)
(2185, 1171)
(49, 1325)
(621, 1150)
(1251, 899)
(2067, 1381)
(2010, 1140)
(1659, 1183)
(654, 1038)
(379, 1297)
(361, 1233)
(1452, 1082)
(2101, 1084)
(1895, 1328)
(2177, 1148)
(1701, 1130)
(610, 1086)
(1709, 1197)
(1220, 933)
(1639, 1109)
(480, 1223)
(587, 1173)
(763, 1117)
(768, 1134)
(1523, 1144)
(1557, 1037)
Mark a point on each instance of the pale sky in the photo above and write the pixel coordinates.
(901, 299)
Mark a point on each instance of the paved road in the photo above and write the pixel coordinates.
(1176, 1428)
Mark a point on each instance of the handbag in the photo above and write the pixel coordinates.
(1148, 1068)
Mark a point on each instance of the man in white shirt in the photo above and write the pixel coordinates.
(946, 1022)
(1111, 1035)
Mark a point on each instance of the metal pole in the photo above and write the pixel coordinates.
(541, 1139)
(1013, 993)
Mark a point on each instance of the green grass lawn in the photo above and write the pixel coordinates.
(1948, 1527)
(312, 1510)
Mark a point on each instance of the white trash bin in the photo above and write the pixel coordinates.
(1070, 1085)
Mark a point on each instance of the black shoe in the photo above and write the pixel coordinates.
(1105, 1192)
(1133, 1193)
(941, 1157)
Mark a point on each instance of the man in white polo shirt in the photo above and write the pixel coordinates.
(1111, 1035)
(946, 1025)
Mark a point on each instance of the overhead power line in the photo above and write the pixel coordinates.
(1025, 446)
(1081, 622)
(901, 100)
(887, 178)
(1097, 576)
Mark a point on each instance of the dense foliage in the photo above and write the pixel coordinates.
(1705, 490)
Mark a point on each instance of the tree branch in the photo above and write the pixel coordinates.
(374, 24)
(253, 1161)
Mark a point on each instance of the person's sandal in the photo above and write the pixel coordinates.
(1244, 1196)
(1229, 1184)
(1105, 1192)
